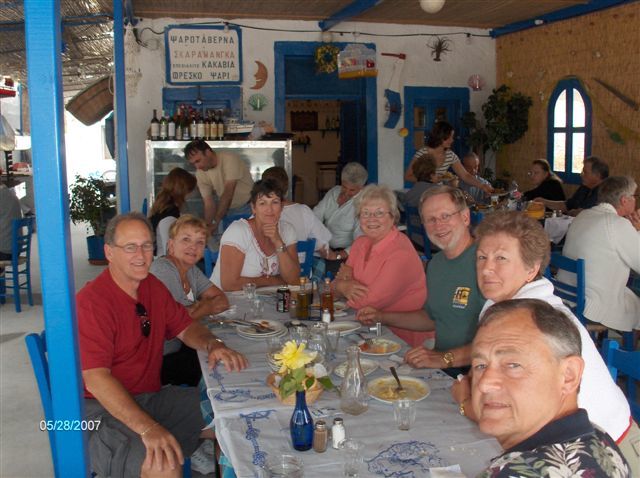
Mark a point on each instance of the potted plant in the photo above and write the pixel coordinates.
(91, 202)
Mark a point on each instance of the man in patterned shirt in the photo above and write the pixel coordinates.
(526, 370)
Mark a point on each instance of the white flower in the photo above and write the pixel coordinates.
(317, 370)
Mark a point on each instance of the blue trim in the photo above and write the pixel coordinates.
(355, 8)
(282, 50)
(43, 38)
(21, 120)
(201, 27)
(421, 94)
(122, 155)
(568, 84)
(558, 15)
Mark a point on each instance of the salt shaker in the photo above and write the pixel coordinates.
(320, 437)
(338, 433)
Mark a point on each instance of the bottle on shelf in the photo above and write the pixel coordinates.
(164, 124)
(193, 127)
(220, 134)
(185, 124)
(200, 133)
(171, 129)
(155, 126)
(207, 127)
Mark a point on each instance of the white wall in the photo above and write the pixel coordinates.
(456, 66)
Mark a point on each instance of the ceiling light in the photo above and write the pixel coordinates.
(431, 6)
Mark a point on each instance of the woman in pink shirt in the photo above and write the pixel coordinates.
(383, 269)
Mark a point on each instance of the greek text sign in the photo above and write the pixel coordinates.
(203, 55)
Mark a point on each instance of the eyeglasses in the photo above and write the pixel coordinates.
(145, 323)
(377, 214)
(444, 218)
(133, 248)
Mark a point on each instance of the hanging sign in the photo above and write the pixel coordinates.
(204, 55)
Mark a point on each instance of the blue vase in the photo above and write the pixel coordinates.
(301, 424)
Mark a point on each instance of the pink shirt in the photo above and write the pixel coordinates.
(394, 274)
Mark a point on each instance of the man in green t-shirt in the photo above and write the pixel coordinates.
(453, 301)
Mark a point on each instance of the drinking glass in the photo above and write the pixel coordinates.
(257, 308)
(249, 290)
(285, 466)
(333, 338)
(352, 456)
(299, 333)
(404, 411)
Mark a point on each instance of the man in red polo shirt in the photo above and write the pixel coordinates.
(124, 317)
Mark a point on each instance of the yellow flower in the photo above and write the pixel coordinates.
(293, 356)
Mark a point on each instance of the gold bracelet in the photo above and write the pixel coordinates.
(155, 424)
(461, 407)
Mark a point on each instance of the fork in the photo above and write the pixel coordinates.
(367, 341)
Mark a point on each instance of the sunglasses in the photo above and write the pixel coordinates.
(145, 323)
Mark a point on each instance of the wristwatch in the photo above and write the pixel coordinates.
(448, 358)
(282, 248)
(461, 407)
(338, 257)
(215, 339)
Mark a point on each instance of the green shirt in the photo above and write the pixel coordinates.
(454, 301)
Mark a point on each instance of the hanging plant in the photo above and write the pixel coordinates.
(327, 58)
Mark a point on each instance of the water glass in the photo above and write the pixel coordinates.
(257, 308)
(352, 456)
(404, 412)
(249, 290)
(285, 466)
(299, 333)
(333, 338)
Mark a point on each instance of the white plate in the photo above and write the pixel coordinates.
(263, 337)
(368, 366)
(380, 347)
(250, 331)
(345, 326)
(382, 388)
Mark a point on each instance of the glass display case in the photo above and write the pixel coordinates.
(163, 156)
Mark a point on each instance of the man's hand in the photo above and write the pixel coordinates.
(634, 217)
(421, 357)
(233, 361)
(368, 315)
(163, 450)
(488, 190)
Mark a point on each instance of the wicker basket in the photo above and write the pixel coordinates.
(93, 103)
(312, 394)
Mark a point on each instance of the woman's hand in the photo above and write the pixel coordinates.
(351, 289)
(368, 315)
(488, 190)
(345, 272)
(271, 232)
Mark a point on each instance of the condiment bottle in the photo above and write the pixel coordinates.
(326, 316)
(293, 306)
(327, 297)
(354, 397)
(338, 433)
(320, 437)
(304, 300)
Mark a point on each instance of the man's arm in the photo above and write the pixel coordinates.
(209, 209)
(198, 337)
(417, 320)
(421, 357)
(161, 446)
(225, 199)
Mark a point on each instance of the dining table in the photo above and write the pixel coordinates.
(252, 425)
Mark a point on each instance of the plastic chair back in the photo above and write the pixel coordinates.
(628, 363)
(20, 263)
(227, 220)
(572, 295)
(145, 207)
(306, 247)
(210, 259)
(416, 232)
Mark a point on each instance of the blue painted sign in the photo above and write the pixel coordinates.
(203, 55)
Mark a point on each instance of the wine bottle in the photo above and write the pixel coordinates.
(164, 133)
(155, 126)
(171, 129)
(200, 134)
(220, 134)
(193, 127)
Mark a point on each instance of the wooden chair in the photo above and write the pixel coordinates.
(574, 296)
(416, 232)
(210, 259)
(627, 363)
(17, 270)
(227, 220)
(306, 247)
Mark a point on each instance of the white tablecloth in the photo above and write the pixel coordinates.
(557, 227)
(252, 425)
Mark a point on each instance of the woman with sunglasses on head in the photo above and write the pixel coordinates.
(383, 270)
(546, 184)
(189, 287)
(439, 145)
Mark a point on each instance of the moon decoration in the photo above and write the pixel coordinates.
(260, 76)
(258, 102)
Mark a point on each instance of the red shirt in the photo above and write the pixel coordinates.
(110, 334)
(394, 274)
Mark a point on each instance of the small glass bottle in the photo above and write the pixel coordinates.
(338, 433)
(320, 437)
(326, 316)
(293, 306)
(327, 297)
(354, 397)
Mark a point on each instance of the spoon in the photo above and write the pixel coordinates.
(399, 388)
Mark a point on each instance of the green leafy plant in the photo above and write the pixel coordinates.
(90, 201)
(506, 116)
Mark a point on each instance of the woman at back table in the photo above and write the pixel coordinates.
(383, 270)
(546, 184)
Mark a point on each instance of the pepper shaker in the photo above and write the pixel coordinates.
(320, 437)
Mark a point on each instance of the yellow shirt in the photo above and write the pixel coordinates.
(230, 167)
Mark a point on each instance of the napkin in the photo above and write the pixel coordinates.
(556, 227)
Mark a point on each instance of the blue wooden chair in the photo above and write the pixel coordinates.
(306, 247)
(17, 270)
(210, 259)
(572, 295)
(628, 363)
(416, 232)
(145, 207)
(37, 348)
(227, 220)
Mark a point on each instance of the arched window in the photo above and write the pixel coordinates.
(569, 129)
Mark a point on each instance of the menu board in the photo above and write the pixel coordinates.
(202, 54)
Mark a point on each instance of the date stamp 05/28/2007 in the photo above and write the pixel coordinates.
(69, 425)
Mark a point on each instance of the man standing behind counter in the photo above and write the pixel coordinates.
(224, 174)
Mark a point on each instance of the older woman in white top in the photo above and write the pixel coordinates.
(260, 250)
(512, 253)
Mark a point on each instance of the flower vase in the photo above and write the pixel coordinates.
(301, 424)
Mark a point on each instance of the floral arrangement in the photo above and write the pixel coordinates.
(295, 373)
